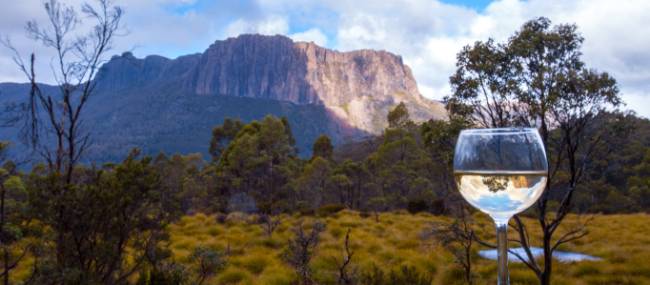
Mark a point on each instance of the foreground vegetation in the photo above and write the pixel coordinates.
(395, 242)
(394, 247)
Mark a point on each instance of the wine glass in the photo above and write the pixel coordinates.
(501, 172)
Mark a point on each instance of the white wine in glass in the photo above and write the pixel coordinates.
(501, 172)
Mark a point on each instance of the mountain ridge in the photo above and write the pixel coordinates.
(350, 84)
(170, 105)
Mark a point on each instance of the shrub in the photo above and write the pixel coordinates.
(438, 207)
(304, 209)
(167, 274)
(409, 275)
(329, 209)
(207, 262)
(255, 264)
(373, 276)
(301, 249)
(416, 206)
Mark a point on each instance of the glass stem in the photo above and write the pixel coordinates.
(502, 252)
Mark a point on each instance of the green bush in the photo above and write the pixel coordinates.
(304, 209)
(416, 206)
(329, 209)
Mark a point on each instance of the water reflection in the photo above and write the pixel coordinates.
(562, 256)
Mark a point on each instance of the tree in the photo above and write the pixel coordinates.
(537, 79)
(346, 276)
(259, 162)
(353, 177)
(208, 263)
(12, 216)
(341, 186)
(398, 164)
(399, 117)
(440, 140)
(323, 147)
(312, 184)
(54, 129)
(183, 184)
(57, 118)
(640, 183)
(222, 135)
(114, 215)
(269, 223)
(458, 237)
(302, 248)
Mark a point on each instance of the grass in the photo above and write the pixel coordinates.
(623, 241)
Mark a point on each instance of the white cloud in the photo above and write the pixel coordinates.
(273, 25)
(639, 102)
(312, 35)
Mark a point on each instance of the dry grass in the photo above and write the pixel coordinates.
(623, 241)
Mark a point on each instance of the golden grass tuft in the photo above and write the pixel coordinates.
(233, 276)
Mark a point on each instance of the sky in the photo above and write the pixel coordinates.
(426, 33)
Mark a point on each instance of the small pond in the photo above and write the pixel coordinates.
(562, 256)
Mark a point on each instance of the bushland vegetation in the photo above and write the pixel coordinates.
(256, 212)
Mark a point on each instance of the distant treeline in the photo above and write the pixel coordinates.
(255, 168)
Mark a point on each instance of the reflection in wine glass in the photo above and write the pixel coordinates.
(501, 172)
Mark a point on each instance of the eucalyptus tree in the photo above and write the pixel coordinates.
(538, 79)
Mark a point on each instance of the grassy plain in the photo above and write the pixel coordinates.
(622, 241)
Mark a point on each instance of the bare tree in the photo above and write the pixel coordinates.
(53, 120)
(301, 250)
(55, 125)
(208, 263)
(458, 237)
(269, 223)
(346, 275)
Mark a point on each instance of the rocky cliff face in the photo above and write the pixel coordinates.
(359, 87)
(362, 86)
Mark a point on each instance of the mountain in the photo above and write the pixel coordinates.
(170, 105)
